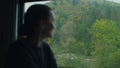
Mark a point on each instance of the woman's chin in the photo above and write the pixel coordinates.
(50, 36)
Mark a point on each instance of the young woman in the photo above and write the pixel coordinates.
(31, 51)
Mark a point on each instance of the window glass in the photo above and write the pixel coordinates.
(28, 4)
(87, 33)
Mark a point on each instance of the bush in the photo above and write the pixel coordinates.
(69, 60)
(114, 59)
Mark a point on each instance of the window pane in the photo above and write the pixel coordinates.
(28, 4)
(87, 33)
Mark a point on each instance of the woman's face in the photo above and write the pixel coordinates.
(46, 27)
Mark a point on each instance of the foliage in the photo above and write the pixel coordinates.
(70, 60)
(114, 59)
(105, 38)
(87, 27)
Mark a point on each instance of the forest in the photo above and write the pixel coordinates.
(87, 33)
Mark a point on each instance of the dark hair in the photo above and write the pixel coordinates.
(32, 17)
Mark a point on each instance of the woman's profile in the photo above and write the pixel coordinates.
(30, 51)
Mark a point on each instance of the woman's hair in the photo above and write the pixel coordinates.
(32, 17)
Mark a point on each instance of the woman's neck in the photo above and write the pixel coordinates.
(37, 41)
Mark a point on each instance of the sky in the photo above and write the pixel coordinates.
(27, 5)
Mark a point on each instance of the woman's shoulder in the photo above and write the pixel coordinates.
(18, 45)
(19, 48)
(15, 44)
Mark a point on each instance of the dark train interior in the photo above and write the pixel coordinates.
(87, 30)
(11, 12)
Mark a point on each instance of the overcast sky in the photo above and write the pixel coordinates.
(27, 5)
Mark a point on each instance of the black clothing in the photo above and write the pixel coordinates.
(23, 54)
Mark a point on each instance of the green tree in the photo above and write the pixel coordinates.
(73, 20)
(105, 38)
(114, 59)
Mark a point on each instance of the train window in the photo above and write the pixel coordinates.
(28, 4)
(87, 33)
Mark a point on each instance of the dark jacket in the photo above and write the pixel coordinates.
(22, 54)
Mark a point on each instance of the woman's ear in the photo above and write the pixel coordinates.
(42, 25)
